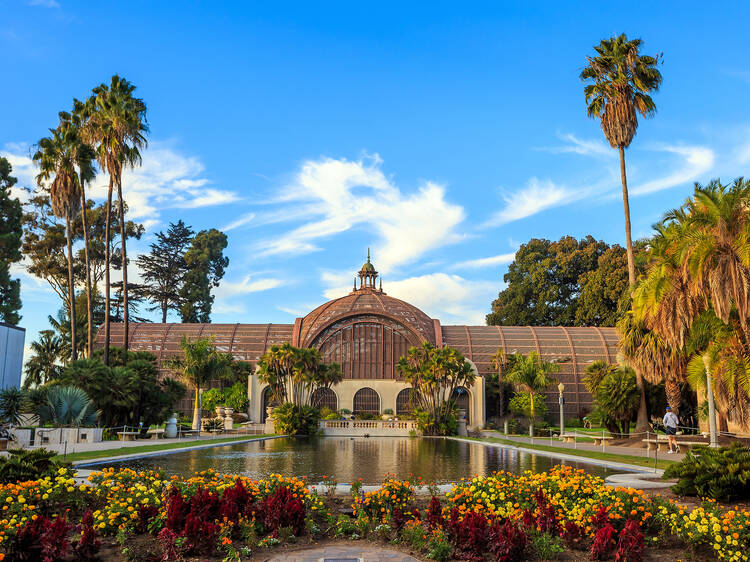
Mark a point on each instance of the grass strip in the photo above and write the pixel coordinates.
(612, 457)
(123, 451)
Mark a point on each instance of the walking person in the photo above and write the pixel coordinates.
(671, 421)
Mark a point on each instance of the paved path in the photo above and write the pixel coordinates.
(344, 553)
(614, 449)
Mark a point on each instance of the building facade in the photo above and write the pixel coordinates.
(11, 355)
(368, 331)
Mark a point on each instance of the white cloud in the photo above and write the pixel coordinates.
(534, 198)
(241, 221)
(229, 293)
(696, 161)
(583, 147)
(491, 261)
(337, 195)
(450, 298)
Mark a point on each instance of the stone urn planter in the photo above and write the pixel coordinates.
(220, 411)
(228, 421)
(170, 430)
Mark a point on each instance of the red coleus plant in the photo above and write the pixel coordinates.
(630, 543)
(87, 545)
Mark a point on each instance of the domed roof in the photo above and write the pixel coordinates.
(366, 301)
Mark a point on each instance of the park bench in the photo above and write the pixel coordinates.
(127, 435)
(155, 433)
(662, 444)
(601, 439)
(568, 438)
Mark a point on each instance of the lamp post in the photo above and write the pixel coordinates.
(713, 436)
(561, 387)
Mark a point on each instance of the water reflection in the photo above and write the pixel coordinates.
(347, 459)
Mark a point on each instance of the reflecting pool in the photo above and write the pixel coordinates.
(347, 459)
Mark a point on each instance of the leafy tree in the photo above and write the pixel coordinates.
(164, 267)
(531, 375)
(621, 80)
(434, 374)
(116, 126)
(67, 406)
(57, 159)
(42, 366)
(129, 391)
(559, 284)
(205, 267)
(200, 364)
(521, 405)
(10, 246)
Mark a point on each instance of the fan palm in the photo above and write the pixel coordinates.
(201, 364)
(117, 126)
(84, 155)
(499, 361)
(57, 159)
(531, 375)
(42, 366)
(621, 81)
(67, 406)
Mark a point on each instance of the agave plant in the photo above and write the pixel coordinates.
(67, 406)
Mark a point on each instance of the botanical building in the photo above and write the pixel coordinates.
(367, 331)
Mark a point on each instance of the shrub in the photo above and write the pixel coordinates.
(603, 542)
(508, 541)
(444, 423)
(438, 546)
(282, 509)
(296, 420)
(721, 474)
(520, 405)
(547, 547)
(22, 465)
(388, 412)
(470, 535)
(67, 406)
(630, 543)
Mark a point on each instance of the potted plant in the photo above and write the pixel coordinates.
(387, 414)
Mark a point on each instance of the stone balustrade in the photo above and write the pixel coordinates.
(373, 428)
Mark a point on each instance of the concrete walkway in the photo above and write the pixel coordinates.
(614, 449)
(344, 554)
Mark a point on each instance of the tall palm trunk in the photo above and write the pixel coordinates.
(89, 304)
(107, 235)
(71, 291)
(672, 389)
(121, 207)
(197, 409)
(641, 423)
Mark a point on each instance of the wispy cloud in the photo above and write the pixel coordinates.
(491, 261)
(695, 161)
(583, 147)
(338, 195)
(537, 196)
(228, 295)
(241, 221)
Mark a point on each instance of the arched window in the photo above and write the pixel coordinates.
(462, 399)
(403, 402)
(366, 400)
(324, 397)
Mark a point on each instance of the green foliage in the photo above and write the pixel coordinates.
(547, 547)
(67, 406)
(127, 392)
(520, 405)
(205, 264)
(10, 246)
(234, 397)
(564, 283)
(42, 366)
(435, 374)
(290, 419)
(294, 373)
(12, 405)
(211, 399)
(722, 474)
(617, 397)
(22, 465)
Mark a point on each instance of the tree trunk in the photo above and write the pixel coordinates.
(197, 410)
(674, 396)
(89, 303)
(124, 266)
(641, 423)
(71, 291)
(107, 235)
(164, 313)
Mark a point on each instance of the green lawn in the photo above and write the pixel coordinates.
(626, 459)
(122, 451)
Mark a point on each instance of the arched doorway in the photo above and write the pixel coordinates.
(366, 401)
(403, 402)
(463, 400)
(265, 403)
(324, 398)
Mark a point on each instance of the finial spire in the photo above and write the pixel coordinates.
(368, 254)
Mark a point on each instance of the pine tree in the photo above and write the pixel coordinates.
(164, 268)
(10, 246)
(206, 263)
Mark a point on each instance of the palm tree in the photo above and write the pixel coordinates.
(57, 160)
(67, 406)
(201, 364)
(499, 360)
(85, 155)
(531, 375)
(117, 125)
(622, 80)
(42, 367)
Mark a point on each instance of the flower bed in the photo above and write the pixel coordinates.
(500, 517)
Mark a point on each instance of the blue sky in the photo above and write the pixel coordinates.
(442, 137)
